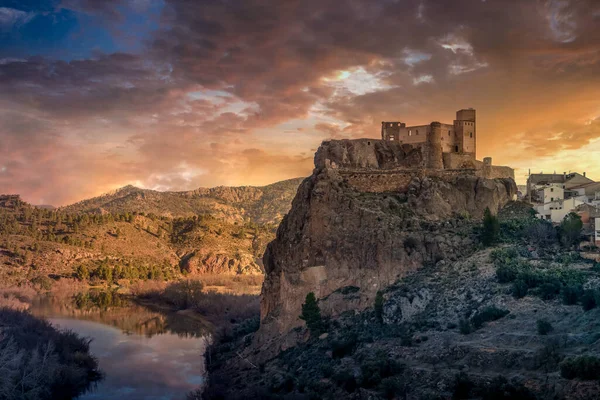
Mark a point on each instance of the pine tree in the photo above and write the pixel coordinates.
(491, 228)
(311, 314)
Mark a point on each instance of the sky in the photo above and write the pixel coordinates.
(180, 94)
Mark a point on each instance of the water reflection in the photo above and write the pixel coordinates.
(113, 309)
(144, 354)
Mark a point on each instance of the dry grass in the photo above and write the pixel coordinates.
(232, 284)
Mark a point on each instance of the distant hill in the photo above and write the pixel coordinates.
(135, 233)
(260, 205)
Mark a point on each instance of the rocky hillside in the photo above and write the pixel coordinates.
(260, 205)
(141, 234)
(392, 294)
(338, 234)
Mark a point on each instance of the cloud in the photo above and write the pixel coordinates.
(225, 92)
(11, 18)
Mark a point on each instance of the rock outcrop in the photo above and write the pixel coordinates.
(344, 239)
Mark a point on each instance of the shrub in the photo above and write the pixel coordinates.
(311, 314)
(379, 306)
(588, 300)
(488, 314)
(465, 327)
(343, 346)
(40, 362)
(582, 367)
(462, 387)
(184, 294)
(43, 282)
(519, 289)
(500, 388)
(571, 294)
(393, 388)
(544, 327)
(570, 229)
(345, 379)
(491, 228)
(377, 367)
(550, 290)
(506, 273)
(82, 273)
(541, 233)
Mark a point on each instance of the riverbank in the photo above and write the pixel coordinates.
(37, 361)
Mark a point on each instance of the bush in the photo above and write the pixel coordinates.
(570, 229)
(184, 294)
(82, 273)
(519, 289)
(588, 300)
(343, 346)
(542, 234)
(500, 388)
(491, 228)
(377, 367)
(550, 290)
(462, 387)
(465, 327)
(571, 294)
(311, 314)
(393, 388)
(379, 306)
(582, 367)
(544, 327)
(506, 273)
(488, 314)
(40, 362)
(43, 282)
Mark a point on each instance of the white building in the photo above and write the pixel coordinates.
(597, 230)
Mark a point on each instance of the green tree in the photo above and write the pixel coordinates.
(491, 228)
(570, 229)
(311, 314)
(379, 306)
(82, 272)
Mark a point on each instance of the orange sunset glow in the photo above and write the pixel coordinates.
(176, 95)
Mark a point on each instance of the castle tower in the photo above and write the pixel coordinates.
(391, 130)
(434, 147)
(465, 126)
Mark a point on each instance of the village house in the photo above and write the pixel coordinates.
(556, 195)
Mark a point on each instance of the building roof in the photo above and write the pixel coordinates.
(574, 177)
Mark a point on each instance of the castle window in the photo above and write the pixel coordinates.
(448, 133)
(390, 124)
(417, 131)
(409, 133)
(471, 134)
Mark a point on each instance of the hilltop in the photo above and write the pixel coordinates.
(134, 233)
(415, 283)
(261, 205)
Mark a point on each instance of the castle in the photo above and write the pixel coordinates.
(439, 140)
(389, 163)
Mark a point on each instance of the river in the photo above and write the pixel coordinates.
(143, 354)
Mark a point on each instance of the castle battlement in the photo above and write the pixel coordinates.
(458, 137)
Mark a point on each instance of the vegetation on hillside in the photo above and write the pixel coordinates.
(39, 246)
(39, 362)
(467, 329)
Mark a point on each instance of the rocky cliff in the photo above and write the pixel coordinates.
(345, 239)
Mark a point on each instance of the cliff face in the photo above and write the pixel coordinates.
(344, 239)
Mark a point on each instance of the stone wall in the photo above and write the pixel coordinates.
(369, 154)
(496, 172)
(460, 161)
